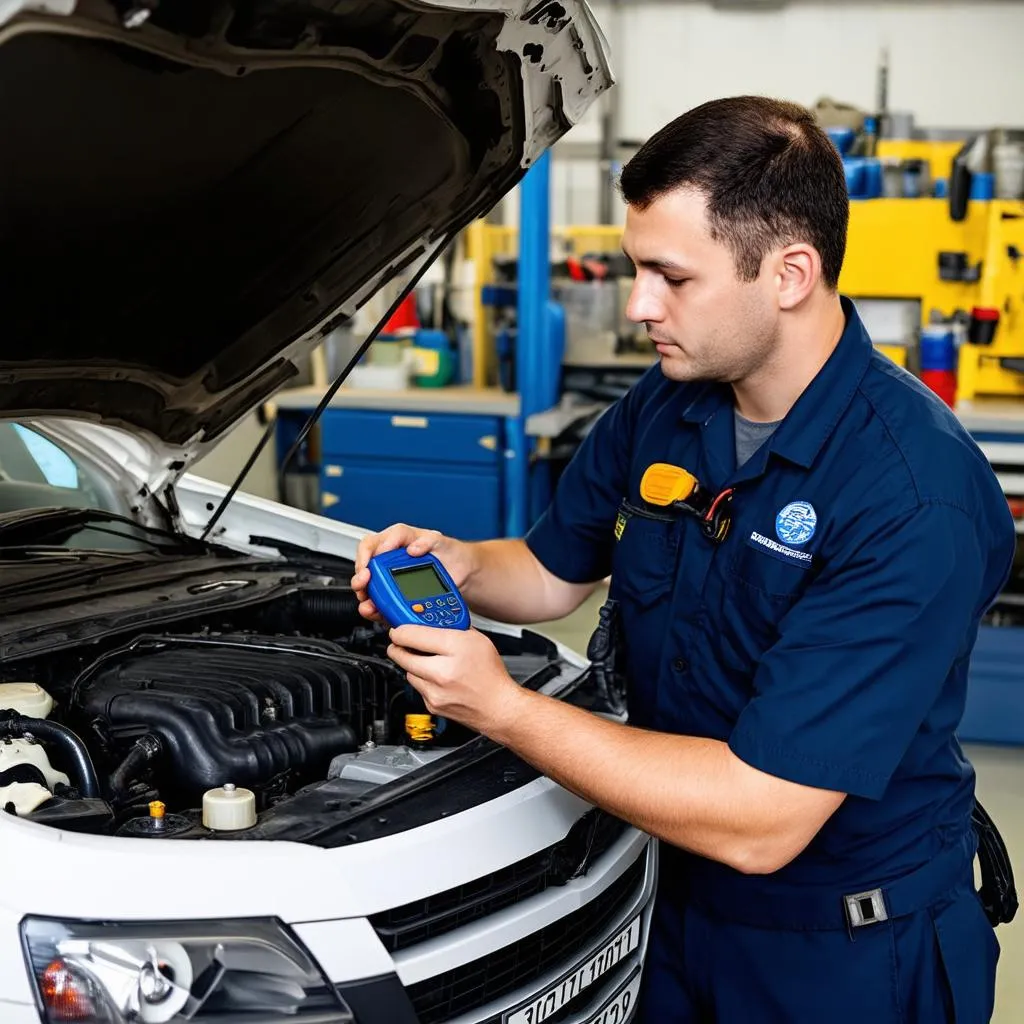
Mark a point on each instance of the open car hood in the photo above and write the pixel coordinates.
(194, 193)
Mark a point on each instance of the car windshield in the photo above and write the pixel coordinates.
(53, 501)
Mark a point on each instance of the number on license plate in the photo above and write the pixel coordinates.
(550, 1002)
(621, 1005)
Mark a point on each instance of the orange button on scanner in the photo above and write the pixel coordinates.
(417, 608)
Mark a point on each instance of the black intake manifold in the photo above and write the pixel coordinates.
(238, 708)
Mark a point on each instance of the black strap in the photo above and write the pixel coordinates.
(998, 894)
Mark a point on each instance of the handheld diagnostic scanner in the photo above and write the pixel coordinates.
(414, 591)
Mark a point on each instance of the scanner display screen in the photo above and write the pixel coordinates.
(419, 583)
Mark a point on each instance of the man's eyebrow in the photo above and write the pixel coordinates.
(661, 264)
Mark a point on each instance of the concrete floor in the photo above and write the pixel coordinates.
(1000, 788)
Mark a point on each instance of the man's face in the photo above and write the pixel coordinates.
(704, 321)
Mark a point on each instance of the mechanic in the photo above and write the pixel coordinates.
(794, 688)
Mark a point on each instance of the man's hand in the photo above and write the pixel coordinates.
(459, 674)
(454, 555)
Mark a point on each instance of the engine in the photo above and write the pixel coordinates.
(268, 717)
(200, 711)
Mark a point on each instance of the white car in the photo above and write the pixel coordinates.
(207, 810)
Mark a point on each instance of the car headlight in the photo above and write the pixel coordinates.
(233, 973)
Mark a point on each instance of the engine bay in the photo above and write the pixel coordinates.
(246, 724)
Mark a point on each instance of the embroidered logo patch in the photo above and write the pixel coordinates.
(802, 558)
(796, 523)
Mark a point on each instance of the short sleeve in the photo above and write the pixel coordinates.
(863, 656)
(573, 538)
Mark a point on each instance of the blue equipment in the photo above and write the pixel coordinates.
(416, 591)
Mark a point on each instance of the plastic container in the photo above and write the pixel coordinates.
(842, 138)
(229, 809)
(943, 383)
(27, 699)
(383, 376)
(433, 359)
(983, 186)
(938, 348)
(863, 177)
(939, 361)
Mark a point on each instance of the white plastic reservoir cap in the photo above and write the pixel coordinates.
(228, 809)
(27, 699)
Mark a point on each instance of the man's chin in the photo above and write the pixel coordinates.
(675, 366)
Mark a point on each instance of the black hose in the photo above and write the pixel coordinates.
(147, 748)
(332, 610)
(72, 747)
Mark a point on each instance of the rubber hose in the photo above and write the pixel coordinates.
(73, 748)
(146, 749)
(331, 610)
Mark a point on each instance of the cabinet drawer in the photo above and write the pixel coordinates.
(442, 437)
(460, 502)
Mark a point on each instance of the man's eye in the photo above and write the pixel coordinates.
(675, 282)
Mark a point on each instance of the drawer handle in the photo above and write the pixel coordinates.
(327, 500)
(409, 421)
(333, 470)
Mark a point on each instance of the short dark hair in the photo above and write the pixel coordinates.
(769, 173)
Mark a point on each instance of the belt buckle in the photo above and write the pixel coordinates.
(864, 908)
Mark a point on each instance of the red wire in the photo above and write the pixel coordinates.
(727, 493)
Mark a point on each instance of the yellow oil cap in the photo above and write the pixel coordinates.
(419, 728)
(156, 809)
(663, 484)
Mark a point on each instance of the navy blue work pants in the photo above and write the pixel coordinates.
(934, 966)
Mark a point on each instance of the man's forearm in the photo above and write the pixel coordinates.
(509, 584)
(694, 793)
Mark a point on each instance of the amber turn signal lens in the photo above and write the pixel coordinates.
(64, 995)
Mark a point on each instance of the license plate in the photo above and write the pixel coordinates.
(620, 1006)
(609, 956)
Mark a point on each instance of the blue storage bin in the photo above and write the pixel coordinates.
(938, 348)
(863, 177)
(842, 138)
(983, 186)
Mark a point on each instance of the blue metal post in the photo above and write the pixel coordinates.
(534, 281)
(531, 336)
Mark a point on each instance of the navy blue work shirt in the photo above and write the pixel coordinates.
(826, 640)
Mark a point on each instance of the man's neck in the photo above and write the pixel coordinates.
(804, 348)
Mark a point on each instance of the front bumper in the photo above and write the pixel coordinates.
(518, 957)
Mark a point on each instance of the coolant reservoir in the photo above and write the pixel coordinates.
(27, 699)
(27, 794)
(229, 809)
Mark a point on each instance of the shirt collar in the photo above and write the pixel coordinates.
(813, 418)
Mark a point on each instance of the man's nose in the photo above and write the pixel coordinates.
(642, 307)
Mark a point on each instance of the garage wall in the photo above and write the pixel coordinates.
(952, 64)
(226, 460)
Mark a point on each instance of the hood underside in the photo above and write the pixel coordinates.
(190, 204)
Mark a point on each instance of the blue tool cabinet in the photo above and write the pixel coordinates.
(376, 465)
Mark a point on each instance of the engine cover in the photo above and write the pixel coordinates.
(236, 708)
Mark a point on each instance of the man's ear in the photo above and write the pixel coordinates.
(798, 270)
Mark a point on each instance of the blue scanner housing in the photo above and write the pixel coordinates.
(415, 591)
